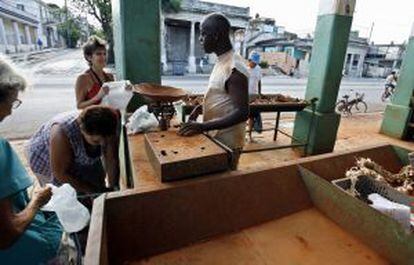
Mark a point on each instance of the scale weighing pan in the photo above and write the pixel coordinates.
(158, 93)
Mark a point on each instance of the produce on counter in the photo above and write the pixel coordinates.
(194, 100)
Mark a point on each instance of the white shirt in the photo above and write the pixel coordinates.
(254, 79)
(217, 101)
(390, 80)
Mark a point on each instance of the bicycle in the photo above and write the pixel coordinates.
(346, 106)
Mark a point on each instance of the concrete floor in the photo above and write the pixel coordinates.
(354, 132)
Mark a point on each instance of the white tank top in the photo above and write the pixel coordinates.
(217, 101)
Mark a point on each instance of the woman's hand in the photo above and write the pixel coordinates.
(102, 93)
(41, 196)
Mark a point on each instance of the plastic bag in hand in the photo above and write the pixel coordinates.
(118, 96)
(73, 215)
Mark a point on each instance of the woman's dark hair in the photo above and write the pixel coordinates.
(93, 44)
(99, 120)
(10, 81)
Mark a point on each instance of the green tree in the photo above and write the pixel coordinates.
(101, 10)
(71, 31)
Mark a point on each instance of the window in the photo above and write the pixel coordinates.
(20, 6)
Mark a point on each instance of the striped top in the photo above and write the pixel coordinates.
(39, 147)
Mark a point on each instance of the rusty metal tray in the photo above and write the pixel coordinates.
(174, 157)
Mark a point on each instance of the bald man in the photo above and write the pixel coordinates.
(226, 102)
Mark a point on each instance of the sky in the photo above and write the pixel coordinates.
(392, 20)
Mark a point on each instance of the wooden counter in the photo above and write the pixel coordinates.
(143, 175)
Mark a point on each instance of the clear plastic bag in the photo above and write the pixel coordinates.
(72, 215)
(141, 121)
(119, 95)
(399, 212)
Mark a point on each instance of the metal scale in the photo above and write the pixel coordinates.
(172, 156)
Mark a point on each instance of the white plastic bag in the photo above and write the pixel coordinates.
(118, 96)
(141, 121)
(401, 213)
(73, 215)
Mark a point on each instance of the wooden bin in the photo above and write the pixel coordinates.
(242, 218)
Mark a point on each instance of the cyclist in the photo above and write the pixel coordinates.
(391, 82)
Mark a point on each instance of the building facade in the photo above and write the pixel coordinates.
(382, 59)
(355, 55)
(300, 49)
(24, 22)
(181, 50)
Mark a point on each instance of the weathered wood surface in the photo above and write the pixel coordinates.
(175, 157)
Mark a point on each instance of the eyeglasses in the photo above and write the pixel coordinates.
(16, 103)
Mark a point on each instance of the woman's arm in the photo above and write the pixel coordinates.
(111, 157)
(61, 158)
(13, 225)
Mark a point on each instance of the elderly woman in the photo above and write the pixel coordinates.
(68, 149)
(27, 235)
(89, 90)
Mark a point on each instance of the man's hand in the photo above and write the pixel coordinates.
(195, 113)
(191, 128)
(41, 196)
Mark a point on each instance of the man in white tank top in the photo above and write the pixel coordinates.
(226, 103)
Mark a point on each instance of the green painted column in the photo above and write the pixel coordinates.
(399, 112)
(328, 55)
(136, 26)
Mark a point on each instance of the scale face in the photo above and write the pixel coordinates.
(175, 157)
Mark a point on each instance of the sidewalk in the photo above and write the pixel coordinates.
(26, 56)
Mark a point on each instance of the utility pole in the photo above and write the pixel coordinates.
(370, 32)
(67, 24)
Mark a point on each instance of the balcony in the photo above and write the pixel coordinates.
(9, 8)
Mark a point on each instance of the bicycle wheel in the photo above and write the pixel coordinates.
(340, 107)
(360, 107)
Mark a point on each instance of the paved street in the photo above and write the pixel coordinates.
(52, 90)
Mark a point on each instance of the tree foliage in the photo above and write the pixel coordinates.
(101, 10)
(71, 31)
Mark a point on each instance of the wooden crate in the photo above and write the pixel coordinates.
(288, 214)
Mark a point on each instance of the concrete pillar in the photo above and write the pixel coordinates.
(137, 44)
(192, 68)
(17, 39)
(163, 45)
(394, 65)
(28, 36)
(360, 67)
(398, 113)
(328, 55)
(351, 61)
(40, 33)
(3, 34)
